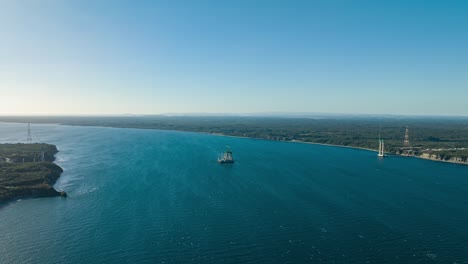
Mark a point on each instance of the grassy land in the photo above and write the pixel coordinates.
(27, 179)
(26, 152)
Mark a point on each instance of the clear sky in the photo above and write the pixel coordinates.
(239, 56)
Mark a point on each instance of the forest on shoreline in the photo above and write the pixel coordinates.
(447, 136)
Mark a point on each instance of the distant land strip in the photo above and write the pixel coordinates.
(433, 138)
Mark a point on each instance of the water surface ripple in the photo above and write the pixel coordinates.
(152, 196)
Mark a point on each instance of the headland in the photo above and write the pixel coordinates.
(28, 171)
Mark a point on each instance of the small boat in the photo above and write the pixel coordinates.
(226, 157)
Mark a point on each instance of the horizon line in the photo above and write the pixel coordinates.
(252, 114)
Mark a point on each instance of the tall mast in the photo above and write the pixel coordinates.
(406, 143)
(381, 146)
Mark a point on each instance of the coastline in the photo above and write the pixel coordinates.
(439, 160)
(341, 146)
(43, 190)
(26, 180)
(290, 141)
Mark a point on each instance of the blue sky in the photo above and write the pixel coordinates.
(151, 57)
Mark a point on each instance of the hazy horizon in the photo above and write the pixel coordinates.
(258, 114)
(242, 57)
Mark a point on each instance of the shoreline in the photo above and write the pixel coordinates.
(291, 141)
(439, 160)
(30, 179)
(340, 146)
(245, 137)
(32, 192)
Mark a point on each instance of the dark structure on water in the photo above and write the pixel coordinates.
(226, 157)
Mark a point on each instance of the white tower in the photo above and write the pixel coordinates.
(381, 148)
(406, 142)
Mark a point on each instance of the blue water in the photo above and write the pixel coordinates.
(147, 196)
